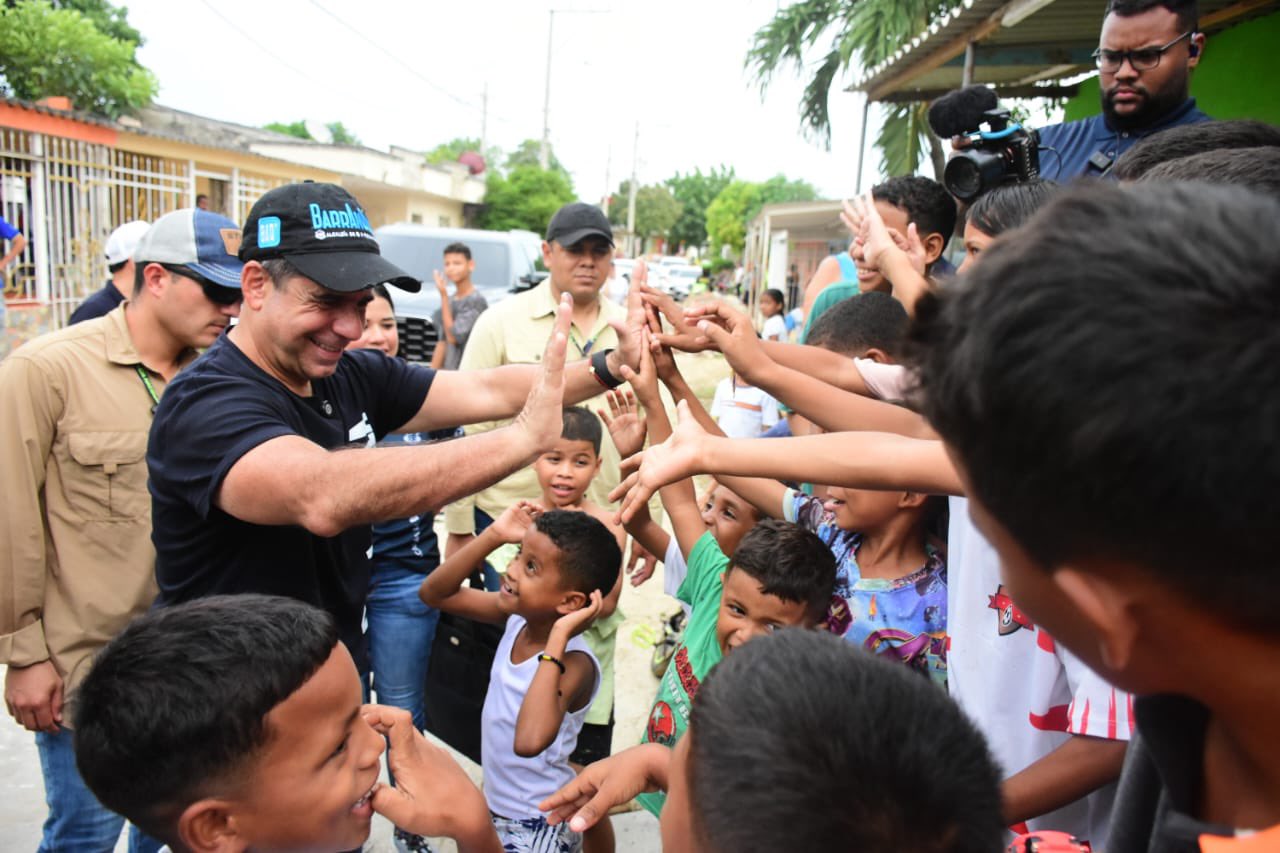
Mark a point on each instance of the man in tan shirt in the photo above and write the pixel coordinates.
(76, 559)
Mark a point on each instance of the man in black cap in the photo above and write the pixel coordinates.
(248, 494)
(578, 253)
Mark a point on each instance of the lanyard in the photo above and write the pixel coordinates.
(584, 349)
(151, 389)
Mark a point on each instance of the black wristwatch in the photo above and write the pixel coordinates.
(600, 369)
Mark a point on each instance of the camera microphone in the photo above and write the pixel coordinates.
(962, 111)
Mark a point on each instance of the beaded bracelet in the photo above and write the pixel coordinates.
(559, 663)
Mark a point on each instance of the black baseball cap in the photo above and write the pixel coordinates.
(322, 230)
(577, 221)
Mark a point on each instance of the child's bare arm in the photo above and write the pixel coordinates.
(446, 310)
(1074, 770)
(864, 460)
(648, 532)
(678, 498)
(830, 367)
(831, 408)
(443, 589)
(765, 495)
(562, 683)
(607, 783)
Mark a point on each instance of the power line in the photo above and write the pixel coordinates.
(402, 63)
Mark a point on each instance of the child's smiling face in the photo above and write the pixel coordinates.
(728, 517)
(747, 611)
(309, 786)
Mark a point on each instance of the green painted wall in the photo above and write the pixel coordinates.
(1239, 77)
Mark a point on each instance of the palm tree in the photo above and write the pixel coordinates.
(868, 31)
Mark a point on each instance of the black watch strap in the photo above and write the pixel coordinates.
(600, 369)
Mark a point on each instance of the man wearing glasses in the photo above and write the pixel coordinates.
(76, 559)
(1145, 55)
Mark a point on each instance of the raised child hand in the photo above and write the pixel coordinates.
(515, 520)
(441, 284)
(607, 783)
(683, 336)
(574, 623)
(626, 427)
(644, 379)
(662, 464)
(734, 335)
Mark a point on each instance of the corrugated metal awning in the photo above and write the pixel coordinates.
(1052, 42)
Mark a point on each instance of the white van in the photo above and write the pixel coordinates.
(506, 262)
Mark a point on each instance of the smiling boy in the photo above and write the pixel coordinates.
(235, 723)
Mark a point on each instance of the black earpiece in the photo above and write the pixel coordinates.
(1194, 48)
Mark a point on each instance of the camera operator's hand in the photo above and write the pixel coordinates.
(959, 143)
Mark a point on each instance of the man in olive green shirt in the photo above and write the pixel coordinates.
(76, 559)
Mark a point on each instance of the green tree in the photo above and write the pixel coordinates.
(779, 189)
(694, 192)
(858, 33)
(448, 152)
(339, 135)
(526, 198)
(656, 209)
(727, 215)
(46, 51)
(112, 20)
(529, 153)
(296, 129)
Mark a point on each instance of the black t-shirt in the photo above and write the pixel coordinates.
(99, 303)
(216, 411)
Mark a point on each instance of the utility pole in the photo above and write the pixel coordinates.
(484, 116)
(608, 193)
(544, 154)
(631, 197)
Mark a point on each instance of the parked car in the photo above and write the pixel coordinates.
(506, 262)
(680, 280)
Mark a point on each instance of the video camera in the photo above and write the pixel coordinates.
(1003, 152)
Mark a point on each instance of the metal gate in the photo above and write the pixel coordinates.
(67, 196)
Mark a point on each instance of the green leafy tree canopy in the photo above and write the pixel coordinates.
(339, 134)
(297, 129)
(47, 51)
(849, 32)
(448, 152)
(694, 192)
(727, 215)
(656, 209)
(739, 202)
(529, 153)
(525, 198)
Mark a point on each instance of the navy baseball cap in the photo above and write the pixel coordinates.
(574, 222)
(322, 230)
(200, 240)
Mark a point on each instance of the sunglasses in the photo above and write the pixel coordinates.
(215, 293)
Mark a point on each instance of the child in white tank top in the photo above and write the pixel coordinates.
(543, 677)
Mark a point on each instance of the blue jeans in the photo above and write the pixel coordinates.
(77, 821)
(401, 629)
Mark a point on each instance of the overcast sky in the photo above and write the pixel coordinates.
(413, 74)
